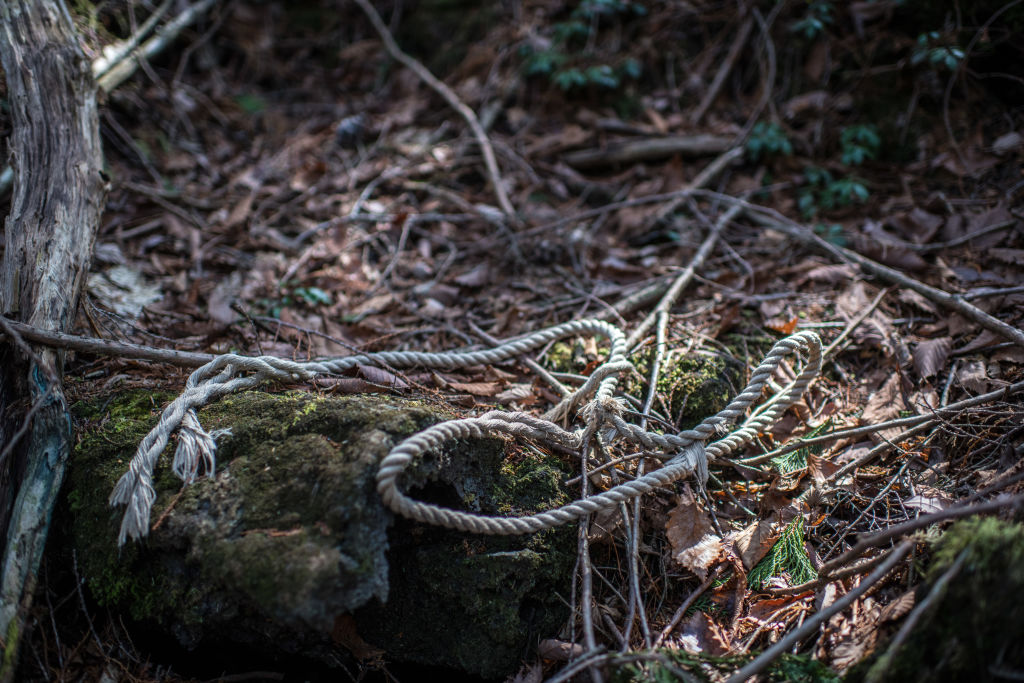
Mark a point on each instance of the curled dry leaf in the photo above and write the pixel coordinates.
(477, 388)
(876, 330)
(702, 635)
(382, 376)
(886, 402)
(754, 542)
(695, 545)
(559, 650)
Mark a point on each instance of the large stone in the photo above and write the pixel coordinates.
(289, 542)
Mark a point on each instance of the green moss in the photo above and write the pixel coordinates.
(975, 625)
(561, 357)
(291, 531)
(693, 386)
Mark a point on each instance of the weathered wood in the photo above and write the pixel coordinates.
(59, 191)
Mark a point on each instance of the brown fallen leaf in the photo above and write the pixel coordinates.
(754, 542)
(702, 635)
(515, 392)
(382, 376)
(931, 355)
(972, 376)
(477, 388)
(695, 546)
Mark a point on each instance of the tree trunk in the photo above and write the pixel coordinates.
(59, 192)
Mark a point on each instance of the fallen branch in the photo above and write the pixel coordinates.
(651, 149)
(453, 100)
(112, 75)
(936, 593)
(106, 347)
(954, 302)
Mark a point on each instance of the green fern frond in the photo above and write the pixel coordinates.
(787, 556)
(797, 460)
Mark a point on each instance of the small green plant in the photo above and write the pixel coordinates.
(832, 232)
(860, 143)
(824, 192)
(768, 139)
(930, 50)
(788, 556)
(311, 296)
(251, 103)
(797, 460)
(564, 59)
(812, 25)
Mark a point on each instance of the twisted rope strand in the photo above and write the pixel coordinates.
(683, 453)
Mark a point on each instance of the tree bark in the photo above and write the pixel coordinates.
(59, 192)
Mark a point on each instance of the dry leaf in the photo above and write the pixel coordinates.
(930, 356)
(972, 376)
(515, 392)
(345, 634)
(984, 339)
(559, 650)
(701, 635)
(928, 500)
(381, 376)
(820, 468)
(898, 607)
(754, 542)
(909, 296)
(885, 403)
(694, 543)
(831, 274)
(787, 327)
(477, 277)
(477, 388)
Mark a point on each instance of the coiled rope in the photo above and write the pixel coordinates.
(682, 454)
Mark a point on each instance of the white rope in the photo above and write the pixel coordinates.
(683, 453)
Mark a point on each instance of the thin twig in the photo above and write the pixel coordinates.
(453, 100)
(586, 576)
(683, 279)
(886, 535)
(723, 71)
(951, 409)
(117, 73)
(112, 54)
(681, 612)
(861, 317)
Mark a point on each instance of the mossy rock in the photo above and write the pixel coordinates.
(290, 536)
(973, 630)
(693, 386)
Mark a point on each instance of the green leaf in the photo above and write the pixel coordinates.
(313, 296)
(251, 104)
(788, 556)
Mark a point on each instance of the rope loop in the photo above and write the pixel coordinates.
(600, 412)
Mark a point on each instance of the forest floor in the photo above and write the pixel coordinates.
(283, 186)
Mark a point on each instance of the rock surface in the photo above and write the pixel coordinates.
(288, 550)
